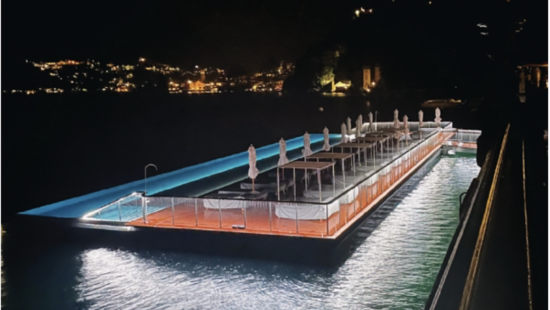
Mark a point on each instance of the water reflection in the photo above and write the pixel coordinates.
(393, 262)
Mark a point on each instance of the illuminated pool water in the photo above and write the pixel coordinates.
(395, 257)
(79, 206)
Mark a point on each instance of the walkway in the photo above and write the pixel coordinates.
(498, 257)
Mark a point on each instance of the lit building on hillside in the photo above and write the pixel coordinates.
(197, 86)
(370, 81)
(342, 86)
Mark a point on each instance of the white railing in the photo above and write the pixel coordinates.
(278, 217)
(113, 211)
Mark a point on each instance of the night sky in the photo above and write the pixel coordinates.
(207, 33)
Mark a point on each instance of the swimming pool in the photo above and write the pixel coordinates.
(79, 206)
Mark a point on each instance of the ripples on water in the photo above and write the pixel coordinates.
(395, 258)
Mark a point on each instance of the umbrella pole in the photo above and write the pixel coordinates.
(278, 186)
(319, 182)
(374, 154)
(294, 178)
(343, 173)
(252, 185)
(353, 164)
(334, 181)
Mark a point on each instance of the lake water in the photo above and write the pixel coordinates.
(394, 259)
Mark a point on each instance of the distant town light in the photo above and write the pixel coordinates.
(357, 13)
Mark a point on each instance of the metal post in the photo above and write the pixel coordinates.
(270, 225)
(220, 211)
(386, 148)
(196, 214)
(319, 182)
(374, 155)
(119, 212)
(372, 149)
(353, 164)
(390, 151)
(294, 177)
(173, 211)
(305, 172)
(383, 148)
(144, 208)
(278, 186)
(334, 180)
(326, 209)
(244, 212)
(343, 173)
(339, 211)
(296, 208)
(145, 171)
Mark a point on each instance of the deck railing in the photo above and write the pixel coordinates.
(125, 209)
(466, 136)
(275, 217)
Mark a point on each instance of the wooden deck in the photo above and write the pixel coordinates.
(261, 221)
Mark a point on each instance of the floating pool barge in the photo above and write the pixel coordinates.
(211, 202)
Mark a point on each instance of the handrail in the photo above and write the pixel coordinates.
(472, 272)
(88, 215)
(477, 191)
(474, 131)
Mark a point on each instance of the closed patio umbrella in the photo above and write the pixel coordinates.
(349, 126)
(437, 116)
(307, 146)
(396, 119)
(326, 146)
(344, 132)
(420, 119)
(252, 170)
(283, 160)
